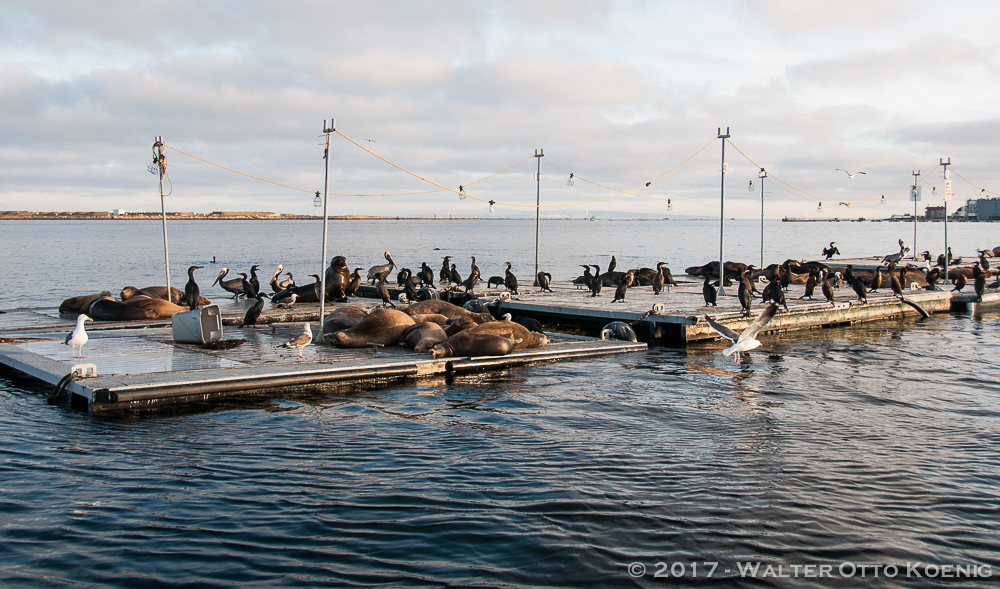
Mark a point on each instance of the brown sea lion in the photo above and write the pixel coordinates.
(431, 318)
(81, 304)
(337, 279)
(473, 344)
(382, 326)
(448, 310)
(341, 318)
(515, 332)
(458, 325)
(160, 307)
(421, 337)
(108, 309)
(177, 295)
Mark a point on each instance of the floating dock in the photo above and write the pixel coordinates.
(139, 366)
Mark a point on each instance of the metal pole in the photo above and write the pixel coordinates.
(914, 194)
(947, 197)
(722, 215)
(762, 175)
(326, 178)
(538, 202)
(161, 163)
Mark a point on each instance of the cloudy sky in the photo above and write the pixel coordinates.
(617, 92)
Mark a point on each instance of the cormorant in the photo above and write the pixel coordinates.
(597, 283)
(709, 292)
(619, 292)
(191, 291)
(250, 318)
(543, 279)
(509, 280)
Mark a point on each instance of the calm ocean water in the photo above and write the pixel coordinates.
(849, 447)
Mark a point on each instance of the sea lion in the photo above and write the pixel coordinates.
(457, 325)
(337, 279)
(421, 337)
(162, 308)
(431, 318)
(160, 292)
(81, 303)
(733, 270)
(382, 326)
(341, 318)
(448, 310)
(473, 344)
(108, 309)
(515, 332)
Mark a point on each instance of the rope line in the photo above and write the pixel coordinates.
(981, 189)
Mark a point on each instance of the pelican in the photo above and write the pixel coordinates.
(286, 284)
(381, 270)
(234, 286)
(275, 287)
(78, 337)
(301, 341)
(746, 341)
(849, 175)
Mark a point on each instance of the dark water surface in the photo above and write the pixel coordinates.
(874, 444)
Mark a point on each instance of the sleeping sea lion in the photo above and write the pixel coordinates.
(108, 309)
(382, 326)
(448, 310)
(515, 332)
(421, 337)
(81, 304)
(431, 318)
(460, 324)
(341, 318)
(177, 295)
(473, 344)
(160, 307)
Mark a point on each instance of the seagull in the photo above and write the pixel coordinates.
(285, 305)
(746, 341)
(78, 337)
(301, 341)
(849, 175)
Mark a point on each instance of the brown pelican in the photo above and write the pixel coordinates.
(274, 280)
(287, 283)
(379, 272)
(234, 286)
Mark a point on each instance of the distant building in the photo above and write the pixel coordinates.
(988, 209)
(118, 213)
(934, 213)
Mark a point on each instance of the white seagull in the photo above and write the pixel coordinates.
(78, 337)
(849, 175)
(302, 340)
(291, 302)
(746, 341)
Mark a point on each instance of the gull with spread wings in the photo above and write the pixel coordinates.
(746, 341)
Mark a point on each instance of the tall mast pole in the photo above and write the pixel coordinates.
(722, 215)
(947, 197)
(161, 163)
(538, 202)
(762, 176)
(915, 195)
(326, 179)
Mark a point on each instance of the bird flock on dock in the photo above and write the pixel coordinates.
(768, 286)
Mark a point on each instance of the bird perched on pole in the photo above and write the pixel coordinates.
(78, 337)
(301, 341)
(191, 291)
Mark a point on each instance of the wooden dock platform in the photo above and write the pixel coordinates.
(144, 368)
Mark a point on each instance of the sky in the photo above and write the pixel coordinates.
(618, 93)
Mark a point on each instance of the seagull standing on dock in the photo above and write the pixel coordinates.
(301, 341)
(746, 341)
(849, 175)
(78, 337)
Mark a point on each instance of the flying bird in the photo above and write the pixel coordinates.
(746, 341)
(849, 175)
